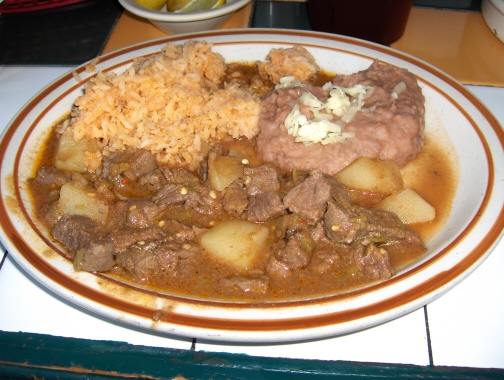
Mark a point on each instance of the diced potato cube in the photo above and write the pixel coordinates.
(77, 200)
(70, 153)
(409, 206)
(223, 170)
(372, 175)
(235, 242)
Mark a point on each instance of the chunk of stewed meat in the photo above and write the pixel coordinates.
(97, 257)
(142, 214)
(179, 232)
(179, 176)
(130, 164)
(75, 232)
(52, 176)
(200, 199)
(297, 253)
(126, 237)
(205, 201)
(309, 198)
(141, 162)
(373, 262)
(294, 254)
(153, 180)
(235, 199)
(171, 194)
(339, 192)
(346, 224)
(152, 259)
(265, 206)
(261, 179)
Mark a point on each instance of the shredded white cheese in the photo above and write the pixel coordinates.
(342, 102)
(289, 82)
(400, 87)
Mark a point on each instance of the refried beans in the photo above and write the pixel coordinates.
(389, 127)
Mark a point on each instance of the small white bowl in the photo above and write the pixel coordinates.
(493, 14)
(178, 23)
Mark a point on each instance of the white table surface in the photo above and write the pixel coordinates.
(465, 327)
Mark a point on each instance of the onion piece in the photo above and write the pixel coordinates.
(342, 102)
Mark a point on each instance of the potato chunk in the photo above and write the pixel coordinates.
(235, 242)
(224, 170)
(77, 200)
(70, 153)
(372, 175)
(409, 206)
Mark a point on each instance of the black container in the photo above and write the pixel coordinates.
(381, 21)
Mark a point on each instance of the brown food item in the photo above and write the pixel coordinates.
(314, 232)
(318, 242)
(295, 61)
(391, 129)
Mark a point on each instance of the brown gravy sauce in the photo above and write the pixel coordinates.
(432, 174)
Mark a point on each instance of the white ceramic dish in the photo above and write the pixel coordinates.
(493, 14)
(472, 230)
(178, 23)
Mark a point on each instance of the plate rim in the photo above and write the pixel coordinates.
(326, 321)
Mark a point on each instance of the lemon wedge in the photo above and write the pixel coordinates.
(184, 6)
(152, 4)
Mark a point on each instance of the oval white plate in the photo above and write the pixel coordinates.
(474, 227)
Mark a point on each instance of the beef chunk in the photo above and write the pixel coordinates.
(126, 237)
(136, 214)
(179, 232)
(51, 176)
(339, 192)
(153, 180)
(141, 162)
(144, 261)
(131, 164)
(373, 262)
(116, 217)
(75, 232)
(143, 214)
(410, 246)
(198, 198)
(235, 200)
(309, 198)
(265, 206)
(171, 194)
(295, 254)
(347, 224)
(97, 257)
(261, 179)
(205, 201)
(179, 176)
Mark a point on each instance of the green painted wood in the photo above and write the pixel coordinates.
(26, 355)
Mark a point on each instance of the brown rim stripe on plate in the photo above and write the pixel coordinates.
(414, 294)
